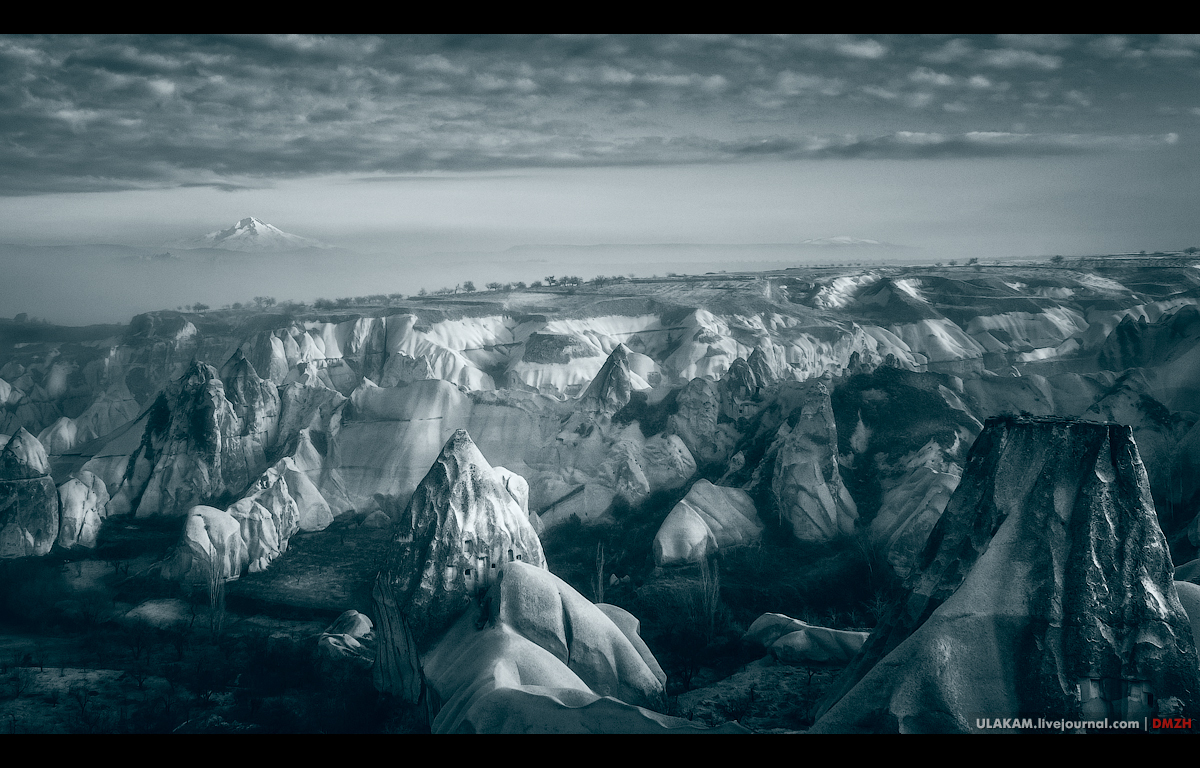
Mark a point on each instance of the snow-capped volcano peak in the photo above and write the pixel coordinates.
(251, 234)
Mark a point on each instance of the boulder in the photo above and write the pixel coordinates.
(709, 518)
(350, 637)
(459, 527)
(163, 613)
(795, 642)
(1045, 589)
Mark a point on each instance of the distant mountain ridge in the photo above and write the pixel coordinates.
(252, 235)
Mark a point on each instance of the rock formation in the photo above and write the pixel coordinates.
(213, 547)
(792, 641)
(83, 501)
(280, 503)
(59, 437)
(540, 658)
(23, 458)
(198, 444)
(609, 392)
(29, 518)
(351, 637)
(389, 437)
(708, 519)
(1045, 589)
(459, 527)
(806, 484)
(697, 422)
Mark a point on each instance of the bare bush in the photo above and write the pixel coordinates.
(216, 590)
(598, 580)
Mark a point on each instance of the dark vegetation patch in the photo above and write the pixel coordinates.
(651, 419)
(12, 332)
(843, 585)
(322, 574)
(140, 385)
(556, 348)
(243, 674)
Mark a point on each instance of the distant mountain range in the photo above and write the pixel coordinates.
(251, 235)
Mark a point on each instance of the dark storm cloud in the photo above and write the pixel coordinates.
(94, 113)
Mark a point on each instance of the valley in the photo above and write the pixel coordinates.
(717, 501)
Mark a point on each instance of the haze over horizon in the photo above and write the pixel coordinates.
(402, 150)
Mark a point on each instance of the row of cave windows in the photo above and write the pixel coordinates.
(467, 572)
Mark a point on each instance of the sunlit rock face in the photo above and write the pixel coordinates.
(461, 524)
(83, 501)
(389, 436)
(212, 547)
(59, 437)
(609, 391)
(1045, 589)
(806, 484)
(707, 520)
(452, 350)
(350, 638)
(23, 458)
(697, 422)
(198, 444)
(29, 518)
(537, 657)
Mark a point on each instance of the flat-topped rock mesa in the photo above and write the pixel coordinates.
(1046, 588)
(461, 524)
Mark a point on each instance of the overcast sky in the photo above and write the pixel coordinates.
(1030, 144)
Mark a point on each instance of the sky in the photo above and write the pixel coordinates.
(409, 147)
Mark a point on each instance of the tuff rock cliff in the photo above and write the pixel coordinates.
(29, 518)
(1045, 589)
(460, 525)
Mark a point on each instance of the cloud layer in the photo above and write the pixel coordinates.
(97, 113)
